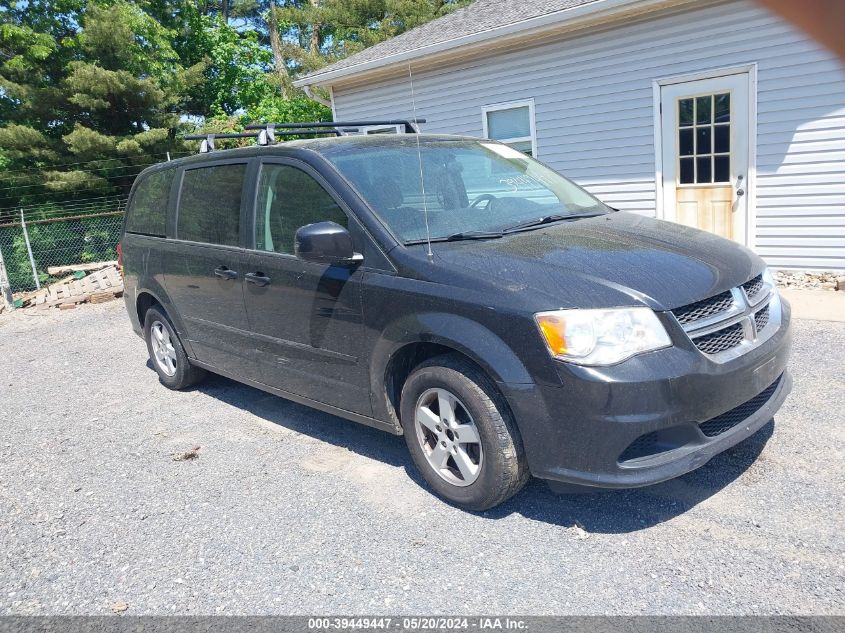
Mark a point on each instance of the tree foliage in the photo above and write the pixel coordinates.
(91, 91)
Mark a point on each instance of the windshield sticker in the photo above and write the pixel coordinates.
(522, 182)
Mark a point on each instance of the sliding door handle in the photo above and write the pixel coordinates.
(257, 278)
(225, 273)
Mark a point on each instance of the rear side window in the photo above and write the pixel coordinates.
(210, 204)
(147, 212)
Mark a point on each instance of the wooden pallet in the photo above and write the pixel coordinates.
(99, 282)
(63, 270)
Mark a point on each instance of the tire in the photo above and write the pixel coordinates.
(484, 477)
(173, 368)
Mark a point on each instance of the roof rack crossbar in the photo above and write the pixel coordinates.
(303, 132)
(410, 125)
(197, 137)
(207, 144)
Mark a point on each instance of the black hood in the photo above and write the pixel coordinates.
(615, 259)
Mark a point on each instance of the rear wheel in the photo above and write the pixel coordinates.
(167, 354)
(461, 434)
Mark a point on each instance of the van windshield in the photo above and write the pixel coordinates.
(470, 188)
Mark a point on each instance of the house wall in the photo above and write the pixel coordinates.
(595, 114)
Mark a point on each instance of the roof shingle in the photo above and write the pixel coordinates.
(481, 15)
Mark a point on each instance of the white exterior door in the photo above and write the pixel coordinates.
(705, 154)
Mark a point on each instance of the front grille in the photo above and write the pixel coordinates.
(722, 340)
(761, 319)
(726, 421)
(752, 288)
(704, 309)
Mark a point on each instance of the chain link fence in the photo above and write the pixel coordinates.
(29, 247)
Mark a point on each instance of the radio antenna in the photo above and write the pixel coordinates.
(419, 160)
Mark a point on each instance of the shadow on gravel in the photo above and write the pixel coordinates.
(604, 511)
(357, 438)
(620, 511)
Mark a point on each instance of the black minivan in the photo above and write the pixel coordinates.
(464, 295)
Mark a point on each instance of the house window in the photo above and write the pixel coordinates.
(511, 124)
(383, 129)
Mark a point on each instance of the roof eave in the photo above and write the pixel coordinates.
(576, 17)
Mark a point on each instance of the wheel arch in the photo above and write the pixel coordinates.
(143, 302)
(406, 344)
(147, 297)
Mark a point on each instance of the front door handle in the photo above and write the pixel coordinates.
(225, 273)
(257, 278)
(739, 190)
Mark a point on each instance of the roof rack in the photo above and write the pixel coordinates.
(266, 133)
(266, 136)
(410, 125)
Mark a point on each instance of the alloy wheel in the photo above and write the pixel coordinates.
(163, 350)
(448, 437)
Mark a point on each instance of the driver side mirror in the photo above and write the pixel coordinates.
(325, 243)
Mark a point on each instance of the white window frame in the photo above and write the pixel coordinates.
(513, 105)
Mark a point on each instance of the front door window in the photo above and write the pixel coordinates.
(289, 198)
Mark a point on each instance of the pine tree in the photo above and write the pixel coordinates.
(91, 91)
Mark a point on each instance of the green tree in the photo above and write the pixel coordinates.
(91, 91)
(235, 66)
(317, 32)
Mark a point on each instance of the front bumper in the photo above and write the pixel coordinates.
(646, 420)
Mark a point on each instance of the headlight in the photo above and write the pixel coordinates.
(601, 337)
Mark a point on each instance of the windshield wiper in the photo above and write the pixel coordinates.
(457, 237)
(473, 235)
(548, 219)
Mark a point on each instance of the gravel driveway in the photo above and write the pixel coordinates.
(287, 510)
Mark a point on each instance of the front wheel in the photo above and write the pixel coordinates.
(461, 435)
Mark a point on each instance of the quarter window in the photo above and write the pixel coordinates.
(147, 213)
(704, 139)
(512, 124)
(210, 204)
(289, 198)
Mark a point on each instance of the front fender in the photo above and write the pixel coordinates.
(461, 334)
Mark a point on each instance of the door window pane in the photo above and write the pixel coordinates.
(685, 112)
(147, 212)
(722, 139)
(702, 170)
(703, 107)
(686, 141)
(704, 131)
(687, 171)
(722, 169)
(289, 198)
(702, 143)
(723, 108)
(210, 204)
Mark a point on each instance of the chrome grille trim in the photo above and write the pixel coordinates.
(721, 320)
(756, 290)
(706, 308)
(748, 312)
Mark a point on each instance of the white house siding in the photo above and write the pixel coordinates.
(595, 121)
